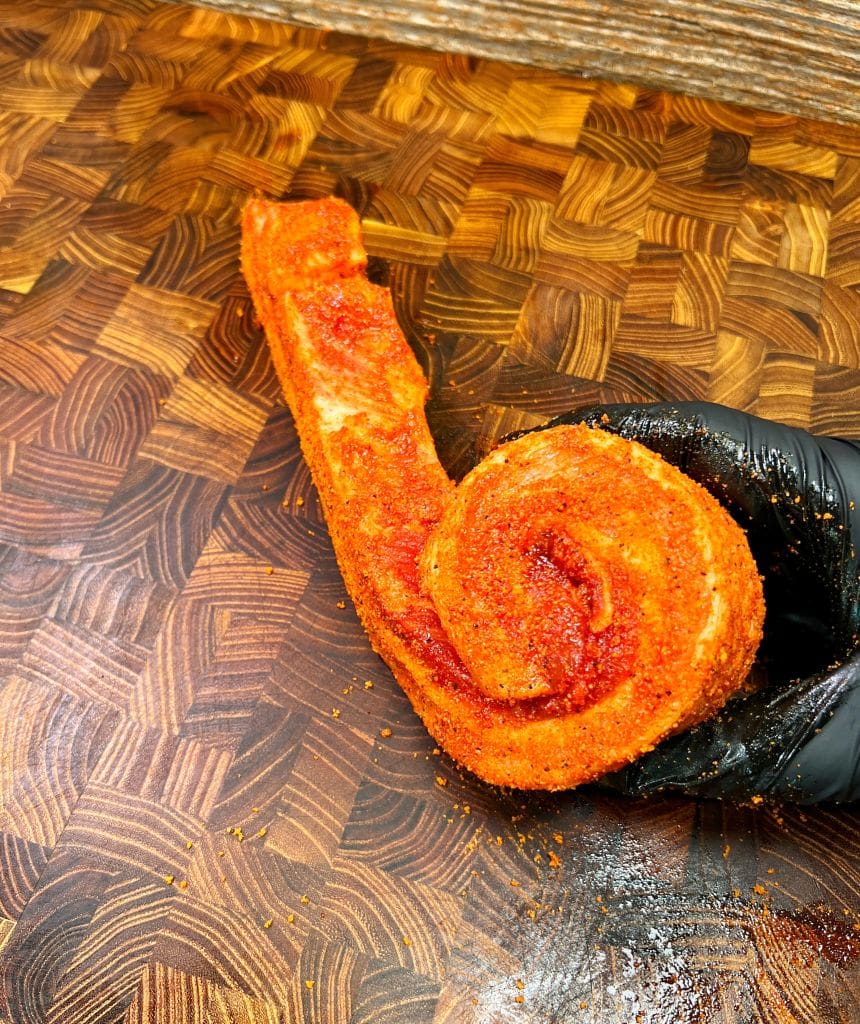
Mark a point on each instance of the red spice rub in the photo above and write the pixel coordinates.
(570, 604)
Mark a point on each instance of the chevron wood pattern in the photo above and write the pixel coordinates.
(215, 804)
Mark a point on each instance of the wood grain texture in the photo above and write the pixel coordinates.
(215, 804)
(796, 57)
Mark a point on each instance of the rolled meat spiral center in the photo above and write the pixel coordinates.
(565, 564)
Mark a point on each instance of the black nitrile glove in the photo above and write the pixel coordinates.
(798, 737)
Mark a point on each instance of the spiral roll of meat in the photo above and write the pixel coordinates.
(572, 602)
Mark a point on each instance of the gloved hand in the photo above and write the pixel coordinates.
(798, 736)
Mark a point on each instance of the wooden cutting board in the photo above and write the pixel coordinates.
(215, 804)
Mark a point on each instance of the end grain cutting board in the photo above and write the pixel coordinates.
(215, 805)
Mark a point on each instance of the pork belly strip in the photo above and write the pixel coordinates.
(575, 600)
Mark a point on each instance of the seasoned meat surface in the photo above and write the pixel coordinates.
(572, 602)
